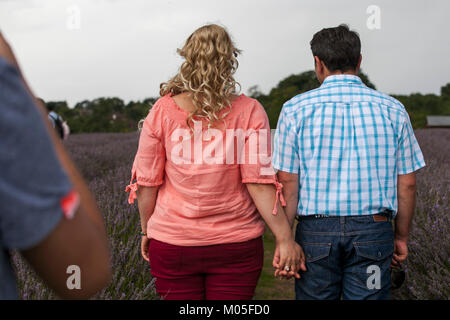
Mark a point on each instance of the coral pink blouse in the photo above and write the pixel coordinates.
(202, 199)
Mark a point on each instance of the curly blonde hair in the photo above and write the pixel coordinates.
(207, 72)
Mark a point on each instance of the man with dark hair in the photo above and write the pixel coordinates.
(347, 157)
(338, 48)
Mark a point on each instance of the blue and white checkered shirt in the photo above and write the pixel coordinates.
(348, 143)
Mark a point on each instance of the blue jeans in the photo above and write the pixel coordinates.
(346, 258)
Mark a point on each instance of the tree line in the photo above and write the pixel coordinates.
(114, 115)
(103, 114)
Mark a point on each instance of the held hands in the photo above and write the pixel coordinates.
(288, 256)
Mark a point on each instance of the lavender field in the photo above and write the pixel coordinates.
(105, 161)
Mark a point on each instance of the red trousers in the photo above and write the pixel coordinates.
(218, 272)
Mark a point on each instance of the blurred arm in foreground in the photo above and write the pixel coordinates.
(40, 186)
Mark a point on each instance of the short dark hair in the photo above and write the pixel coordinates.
(339, 48)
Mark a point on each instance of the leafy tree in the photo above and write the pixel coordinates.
(419, 106)
(113, 115)
(445, 91)
(103, 114)
(289, 87)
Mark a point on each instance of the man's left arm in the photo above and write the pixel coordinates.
(406, 190)
(409, 160)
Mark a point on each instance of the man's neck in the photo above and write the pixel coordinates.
(328, 73)
(349, 72)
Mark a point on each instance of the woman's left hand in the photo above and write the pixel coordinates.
(144, 247)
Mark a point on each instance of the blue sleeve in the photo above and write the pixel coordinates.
(409, 155)
(32, 181)
(285, 150)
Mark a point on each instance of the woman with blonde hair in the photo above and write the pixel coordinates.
(204, 183)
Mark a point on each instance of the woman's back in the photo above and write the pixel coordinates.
(203, 199)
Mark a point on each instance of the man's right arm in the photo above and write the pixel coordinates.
(286, 161)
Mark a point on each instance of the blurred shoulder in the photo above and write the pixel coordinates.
(6, 67)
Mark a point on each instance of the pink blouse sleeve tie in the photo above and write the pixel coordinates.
(132, 189)
(278, 196)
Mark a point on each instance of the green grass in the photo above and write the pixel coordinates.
(270, 288)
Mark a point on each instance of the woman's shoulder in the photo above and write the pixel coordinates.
(161, 107)
(237, 101)
(156, 115)
(249, 111)
(161, 102)
(243, 107)
(249, 106)
(242, 99)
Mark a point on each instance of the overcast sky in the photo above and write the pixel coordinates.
(126, 48)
